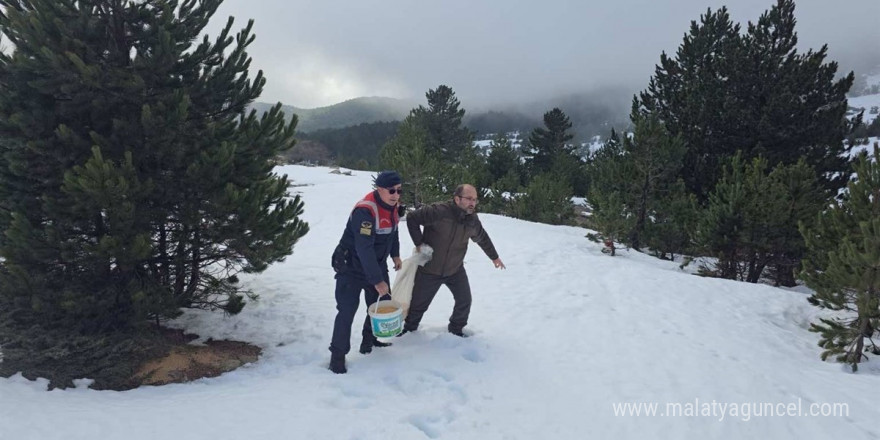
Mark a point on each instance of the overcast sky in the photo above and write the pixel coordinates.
(320, 52)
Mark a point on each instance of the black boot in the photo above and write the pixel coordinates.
(458, 332)
(337, 363)
(380, 344)
(405, 331)
(369, 342)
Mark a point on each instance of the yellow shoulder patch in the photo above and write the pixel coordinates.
(366, 228)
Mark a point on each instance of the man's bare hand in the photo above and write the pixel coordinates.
(397, 263)
(382, 288)
(499, 264)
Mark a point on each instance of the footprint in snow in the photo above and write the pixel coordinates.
(473, 355)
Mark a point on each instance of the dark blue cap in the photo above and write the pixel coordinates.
(387, 179)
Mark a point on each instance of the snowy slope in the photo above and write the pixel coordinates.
(559, 338)
(866, 103)
(869, 147)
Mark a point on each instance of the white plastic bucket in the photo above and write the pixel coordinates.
(386, 325)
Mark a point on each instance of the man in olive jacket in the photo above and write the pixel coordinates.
(447, 228)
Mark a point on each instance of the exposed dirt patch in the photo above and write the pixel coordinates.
(185, 362)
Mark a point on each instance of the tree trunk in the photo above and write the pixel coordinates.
(728, 265)
(757, 263)
(855, 356)
(635, 238)
(785, 275)
(194, 272)
(163, 255)
(180, 263)
(755, 272)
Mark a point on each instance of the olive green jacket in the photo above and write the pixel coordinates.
(447, 230)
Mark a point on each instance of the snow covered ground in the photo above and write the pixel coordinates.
(561, 339)
(869, 147)
(866, 102)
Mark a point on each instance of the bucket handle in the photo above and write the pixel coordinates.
(375, 305)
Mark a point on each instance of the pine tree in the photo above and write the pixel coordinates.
(609, 218)
(503, 160)
(408, 153)
(687, 94)
(742, 220)
(609, 170)
(655, 159)
(442, 122)
(672, 223)
(638, 173)
(843, 266)
(504, 176)
(548, 151)
(765, 207)
(748, 224)
(792, 105)
(720, 229)
(546, 144)
(725, 92)
(471, 168)
(448, 140)
(804, 199)
(134, 183)
(546, 199)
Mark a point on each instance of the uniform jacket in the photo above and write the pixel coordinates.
(370, 237)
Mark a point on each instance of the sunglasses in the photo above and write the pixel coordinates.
(394, 190)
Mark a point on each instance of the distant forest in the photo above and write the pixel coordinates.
(357, 146)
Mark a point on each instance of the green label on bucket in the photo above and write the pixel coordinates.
(386, 327)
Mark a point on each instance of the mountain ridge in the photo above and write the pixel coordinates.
(591, 113)
(351, 112)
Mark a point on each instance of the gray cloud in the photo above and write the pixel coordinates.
(317, 53)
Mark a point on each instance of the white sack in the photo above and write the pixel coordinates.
(406, 276)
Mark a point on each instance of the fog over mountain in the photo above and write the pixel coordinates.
(494, 53)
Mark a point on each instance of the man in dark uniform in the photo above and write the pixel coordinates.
(360, 261)
(448, 227)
